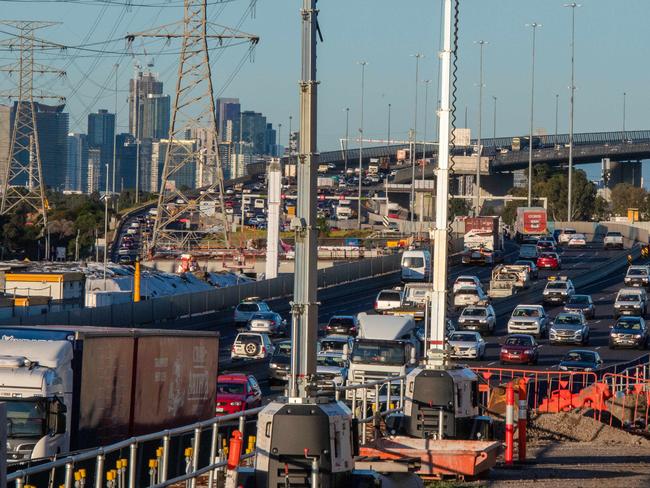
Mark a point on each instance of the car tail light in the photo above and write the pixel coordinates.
(263, 350)
(353, 329)
(376, 305)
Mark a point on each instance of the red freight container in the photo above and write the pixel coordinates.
(482, 224)
(531, 220)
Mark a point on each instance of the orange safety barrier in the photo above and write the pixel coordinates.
(562, 400)
(630, 399)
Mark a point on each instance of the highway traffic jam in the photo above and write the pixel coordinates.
(519, 308)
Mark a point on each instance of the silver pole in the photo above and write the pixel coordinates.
(494, 121)
(624, 96)
(347, 141)
(557, 105)
(115, 129)
(363, 83)
(388, 138)
(305, 307)
(133, 459)
(417, 57)
(424, 144)
(572, 102)
(534, 25)
(105, 226)
(477, 210)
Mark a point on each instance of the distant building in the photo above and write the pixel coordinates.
(140, 88)
(155, 117)
(228, 115)
(185, 176)
(77, 168)
(5, 140)
(96, 180)
(101, 135)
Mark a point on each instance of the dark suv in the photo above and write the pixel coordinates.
(629, 332)
(342, 324)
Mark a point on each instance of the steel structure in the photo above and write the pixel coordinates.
(21, 180)
(194, 108)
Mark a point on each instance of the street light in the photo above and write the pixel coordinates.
(477, 210)
(363, 84)
(557, 104)
(105, 225)
(534, 25)
(572, 6)
(624, 96)
(417, 57)
(388, 137)
(494, 121)
(424, 142)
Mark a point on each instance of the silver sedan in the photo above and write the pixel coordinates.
(466, 345)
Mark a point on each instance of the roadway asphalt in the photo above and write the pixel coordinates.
(575, 262)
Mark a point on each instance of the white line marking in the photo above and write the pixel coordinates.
(493, 362)
(598, 347)
(597, 322)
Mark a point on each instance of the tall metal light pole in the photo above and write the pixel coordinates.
(534, 26)
(115, 129)
(624, 100)
(105, 225)
(424, 142)
(417, 57)
(363, 84)
(557, 105)
(388, 135)
(572, 6)
(347, 140)
(494, 119)
(477, 209)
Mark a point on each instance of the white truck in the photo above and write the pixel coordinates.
(71, 388)
(507, 279)
(343, 212)
(385, 346)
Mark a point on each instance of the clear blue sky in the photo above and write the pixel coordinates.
(611, 57)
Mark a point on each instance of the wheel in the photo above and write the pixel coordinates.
(251, 348)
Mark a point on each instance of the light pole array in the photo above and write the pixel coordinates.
(494, 119)
(477, 209)
(534, 26)
(417, 57)
(363, 84)
(573, 6)
(424, 142)
(347, 142)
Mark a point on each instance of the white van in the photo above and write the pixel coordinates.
(416, 265)
(343, 212)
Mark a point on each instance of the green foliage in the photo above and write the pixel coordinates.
(458, 207)
(626, 196)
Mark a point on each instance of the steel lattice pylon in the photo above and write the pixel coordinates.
(194, 108)
(21, 180)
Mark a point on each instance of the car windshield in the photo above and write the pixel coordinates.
(227, 388)
(580, 356)
(411, 262)
(567, 319)
(373, 352)
(345, 321)
(525, 312)
(25, 418)
(462, 337)
(264, 316)
(578, 300)
(467, 291)
(331, 361)
(628, 298)
(637, 272)
(614, 234)
(557, 285)
(474, 312)
(282, 349)
(547, 255)
(392, 296)
(247, 307)
(331, 345)
(519, 341)
(628, 325)
(523, 263)
(249, 338)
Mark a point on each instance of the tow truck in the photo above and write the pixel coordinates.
(507, 279)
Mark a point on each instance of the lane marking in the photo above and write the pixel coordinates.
(493, 362)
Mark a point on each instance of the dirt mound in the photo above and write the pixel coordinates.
(577, 427)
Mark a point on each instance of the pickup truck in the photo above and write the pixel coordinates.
(613, 240)
(507, 279)
(414, 299)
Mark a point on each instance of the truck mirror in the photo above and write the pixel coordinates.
(413, 359)
(346, 352)
(56, 417)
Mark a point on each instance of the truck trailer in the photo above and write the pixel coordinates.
(531, 221)
(68, 388)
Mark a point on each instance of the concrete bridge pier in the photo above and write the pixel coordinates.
(615, 172)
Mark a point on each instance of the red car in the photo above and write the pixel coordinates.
(237, 392)
(549, 260)
(519, 349)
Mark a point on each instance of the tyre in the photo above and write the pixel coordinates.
(251, 348)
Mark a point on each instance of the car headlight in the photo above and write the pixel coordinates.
(235, 404)
(483, 321)
(638, 336)
(563, 368)
(545, 292)
(461, 320)
(589, 369)
(617, 305)
(552, 332)
(273, 366)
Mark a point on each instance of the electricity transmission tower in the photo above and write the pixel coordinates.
(21, 178)
(194, 109)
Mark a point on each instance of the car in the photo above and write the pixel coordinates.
(267, 322)
(565, 236)
(478, 318)
(126, 260)
(581, 303)
(470, 295)
(249, 307)
(420, 331)
(466, 345)
(533, 270)
(558, 290)
(342, 324)
(569, 327)
(280, 363)
(580, 360)
(631, 301)
(237, 392)
(629, 332)
(549, 260)
(528, 319)
(331, 370)
(577, 240)
(546, 245)
(466, 280)
(613, 240)
(519, 349)
(637, 275)
(528, 251)
(252, 345)
(388, 300)
(335, 343)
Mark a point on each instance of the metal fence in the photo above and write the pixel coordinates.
(189, 305)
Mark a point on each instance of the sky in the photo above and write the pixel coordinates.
(611, 51)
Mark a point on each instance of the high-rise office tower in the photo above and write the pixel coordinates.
(185, 177)
(101, 132)
(143, 85)
(53, 127)
(228, 113)
(76, 177)
(96, 181)
(253, 131)
(155, 116)
(5, 140)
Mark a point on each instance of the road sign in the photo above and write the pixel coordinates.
(385, 221)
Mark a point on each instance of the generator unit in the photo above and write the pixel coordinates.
(297, 441)
(441, 403)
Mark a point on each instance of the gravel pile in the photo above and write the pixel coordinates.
(576, 427)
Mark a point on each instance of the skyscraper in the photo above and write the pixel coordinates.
(101, 132)
(155, 117)
(76, 176)
(96, 173)
(140, 88)
(184, 177)
(5, 140)
(228, 111)
(254, 131)
(52, 123)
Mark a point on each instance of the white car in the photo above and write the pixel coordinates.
(388, 300)
(565, 236)
(466, 345)
(470, 295)
(247, 308)
(528, 319)
(577, 240)
(252, 345)
(480, 319)
(466, 280)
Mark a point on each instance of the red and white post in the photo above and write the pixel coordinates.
(522, 420)
(510, 423)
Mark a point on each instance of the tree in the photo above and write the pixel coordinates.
(458, 206)
(626, 196)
